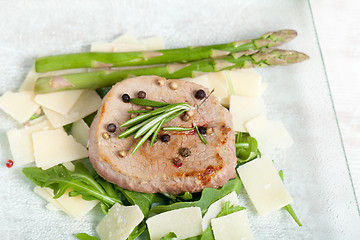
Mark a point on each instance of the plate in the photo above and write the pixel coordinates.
(315, 168)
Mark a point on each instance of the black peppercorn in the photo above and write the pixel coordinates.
(165, 138)
(141, 94)
(125, 97)
(200, 94)
(185, 152)
(111, 127)
(202, 130)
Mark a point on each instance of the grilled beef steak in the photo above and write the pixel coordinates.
(176, 163)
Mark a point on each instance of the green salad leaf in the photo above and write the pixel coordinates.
(288, 207)
(170, 236)
(208, 196)
(59, 178)
(143, 200)
(85, 236)
(227, 209)
(246, 147)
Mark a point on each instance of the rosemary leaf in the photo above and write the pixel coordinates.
(139, 111)
(177, 129)
(200, 135)
(147, 103)
(156, 132)
(146, 136)
(137, 119)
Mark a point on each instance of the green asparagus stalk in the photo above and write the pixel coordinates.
(103, 78)
(106, 60)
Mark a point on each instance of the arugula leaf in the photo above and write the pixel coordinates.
(170, 236)
(103, 91)
(246, 147)
(85, 236)
(89, 118)
(138, 230)
(208, 196)
(288, 207)
(143, 200)
(208, 234)
(227, 209)
(59, 178)
(67, 128)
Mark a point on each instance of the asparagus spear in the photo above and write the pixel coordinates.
(103, 78)
(106, 60)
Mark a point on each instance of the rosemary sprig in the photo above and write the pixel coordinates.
(150, 122)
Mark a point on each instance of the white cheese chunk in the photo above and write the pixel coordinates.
(127, 37)
(60, 102)
(80, 131)
(88, 102)
(52, 147)
(70, 166)
(232, 226)
(19, 105)
(47, 194)
(215, 208)
(271, 136)
(202, 80)
(263, 185)
(184, 222)
(218, 82)
(29, 82)
(21, 144)
(52, 207)
(245, 108)
(116, 47)
(75, 207)
(246, 82)
(153, 43)
(119, 222)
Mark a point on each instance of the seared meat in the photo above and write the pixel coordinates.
(162, 168)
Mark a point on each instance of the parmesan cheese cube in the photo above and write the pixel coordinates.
(70, 166)
(75, 207)
(21, 144)
(80, 131)
(30, 79)
(153, 43)
(202, 80)
(127, 47)
(271, 136)
(60, 102)
(232, 226)
(116, 47)
(245, 108)
(127, 37)
(52, 147)
(184, 222)
(215, 208)
(47, 195)
(119, 222)
(19, 105)
(218, 82)
(263, 185)
(88, 102)
(246, 82)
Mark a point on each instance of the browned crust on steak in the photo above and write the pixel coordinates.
(152, 169)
